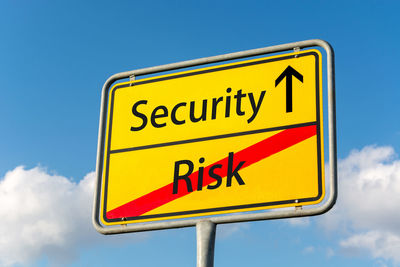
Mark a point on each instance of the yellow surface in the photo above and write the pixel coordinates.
(289, 174)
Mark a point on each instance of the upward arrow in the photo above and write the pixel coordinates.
(288, 73)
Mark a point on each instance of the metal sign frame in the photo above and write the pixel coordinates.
(268, 215)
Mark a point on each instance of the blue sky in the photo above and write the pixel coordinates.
(55, 57)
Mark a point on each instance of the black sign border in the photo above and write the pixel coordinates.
(227, 208)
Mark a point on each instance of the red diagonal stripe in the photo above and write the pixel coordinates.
(250, 155)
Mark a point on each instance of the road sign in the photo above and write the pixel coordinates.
(230, 138)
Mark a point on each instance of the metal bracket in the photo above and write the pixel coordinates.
(124, 225)
(296, 49)
(131, 79)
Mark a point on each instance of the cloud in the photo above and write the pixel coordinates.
(366, 214)
(330, 253)
(227, 230)
(308, 250)
(45, 215)
(299, 222)
(384, 245)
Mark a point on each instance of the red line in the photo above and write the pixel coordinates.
(250, 155)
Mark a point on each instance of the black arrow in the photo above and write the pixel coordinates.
(288, 73)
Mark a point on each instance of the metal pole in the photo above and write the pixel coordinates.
(205, 231)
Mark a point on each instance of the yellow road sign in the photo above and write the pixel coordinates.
(230, 138)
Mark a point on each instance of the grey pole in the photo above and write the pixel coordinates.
(205, 231)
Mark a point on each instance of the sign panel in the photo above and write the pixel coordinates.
(224, 139)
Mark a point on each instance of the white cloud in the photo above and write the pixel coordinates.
(384, 245)
(330, 253)
(308, 250)
(367, 210)
(299, 222)
(45, 215)
(227, 230)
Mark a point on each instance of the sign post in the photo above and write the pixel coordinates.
(205, 231)
(217, 144)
